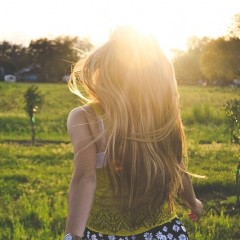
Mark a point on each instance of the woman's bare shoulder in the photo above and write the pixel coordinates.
(81, 118)
(75, 117)
(80, 114)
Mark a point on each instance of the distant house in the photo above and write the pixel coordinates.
(30, 73)
(6, 70)
(236, 82)
(10, 78)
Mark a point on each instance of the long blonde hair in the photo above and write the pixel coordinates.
(134, 84)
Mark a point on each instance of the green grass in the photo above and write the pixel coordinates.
(33, 193)
(34, 179)
(34, 184)
(201, 109)
(50, 121)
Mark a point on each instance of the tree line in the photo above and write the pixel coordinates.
(212, 61)
(48, 60)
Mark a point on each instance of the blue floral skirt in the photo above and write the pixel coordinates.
(173, 230)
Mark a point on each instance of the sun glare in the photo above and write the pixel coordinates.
(149, 17)
(171, 22)
(155, 21)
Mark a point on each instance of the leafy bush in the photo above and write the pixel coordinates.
(232, 110)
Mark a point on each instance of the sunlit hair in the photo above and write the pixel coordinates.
(134, 85)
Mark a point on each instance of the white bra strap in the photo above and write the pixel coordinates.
(101, 124)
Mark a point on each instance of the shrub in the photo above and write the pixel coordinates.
(232, 110)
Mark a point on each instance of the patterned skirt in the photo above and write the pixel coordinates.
(173, 230)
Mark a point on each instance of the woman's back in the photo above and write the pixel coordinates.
(109, 212)
(132, 124)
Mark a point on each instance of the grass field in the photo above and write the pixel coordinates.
(34, 179)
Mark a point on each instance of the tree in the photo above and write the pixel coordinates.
(13, 57)
(187, 64)
(197, 44)
(33, 102)
(187, 67)
(6, 67)
(234, 29)
(220, 60)
(54, 56)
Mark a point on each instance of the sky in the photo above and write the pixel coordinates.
(171, 21)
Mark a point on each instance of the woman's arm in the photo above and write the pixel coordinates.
(83, 183)
(188, 195)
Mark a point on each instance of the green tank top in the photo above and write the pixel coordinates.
(107, 218)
